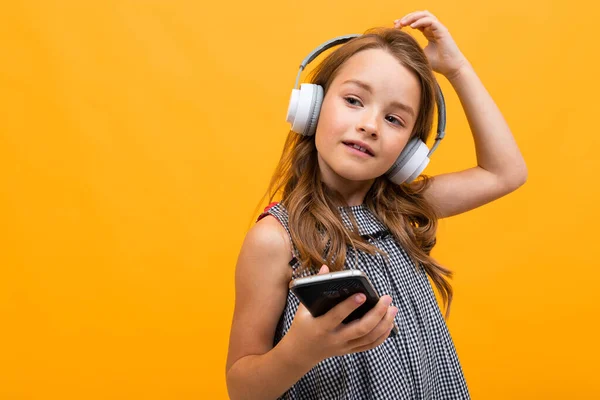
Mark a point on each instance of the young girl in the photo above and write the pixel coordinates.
(339, 210)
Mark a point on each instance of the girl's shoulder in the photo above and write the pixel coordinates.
(269, 244)
(270, 236)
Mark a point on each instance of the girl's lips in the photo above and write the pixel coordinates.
(363, 145)
(356, 151)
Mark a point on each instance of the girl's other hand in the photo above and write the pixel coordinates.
(441, 51)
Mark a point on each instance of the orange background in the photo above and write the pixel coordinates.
(136, 138)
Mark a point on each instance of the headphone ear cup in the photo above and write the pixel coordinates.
(311, 128)
(304, 108)
(420, 168)
(412, 161)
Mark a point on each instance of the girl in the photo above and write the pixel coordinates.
(338, 210)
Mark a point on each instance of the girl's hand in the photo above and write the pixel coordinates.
(442, 52)
(316, 339)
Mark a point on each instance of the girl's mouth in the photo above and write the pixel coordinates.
(356, 149)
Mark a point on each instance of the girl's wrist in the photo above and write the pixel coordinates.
(456, 75)
(296, 357)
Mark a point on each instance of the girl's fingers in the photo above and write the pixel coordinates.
(404, 19)
(376, 343)
(369, 339)
(412, 17)
(423, 23)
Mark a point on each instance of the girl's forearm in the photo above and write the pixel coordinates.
(495, 146)
(267, 376)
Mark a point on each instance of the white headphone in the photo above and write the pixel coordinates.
(305, 105)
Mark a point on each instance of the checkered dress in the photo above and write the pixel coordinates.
(419, 363)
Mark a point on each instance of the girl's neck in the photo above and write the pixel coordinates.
(353, 192)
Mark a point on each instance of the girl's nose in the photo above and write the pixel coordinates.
(368, 123)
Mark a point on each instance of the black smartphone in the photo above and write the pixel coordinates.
(320, 293)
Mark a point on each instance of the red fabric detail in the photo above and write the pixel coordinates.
(265, 213)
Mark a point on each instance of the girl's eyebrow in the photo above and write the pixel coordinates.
(366, 87)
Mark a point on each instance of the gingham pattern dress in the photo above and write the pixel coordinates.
(419, 363)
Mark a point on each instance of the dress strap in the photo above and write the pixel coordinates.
(266, 211)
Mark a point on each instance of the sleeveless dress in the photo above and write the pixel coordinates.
(419, 363)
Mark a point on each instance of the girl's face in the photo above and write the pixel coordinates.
(373, 102)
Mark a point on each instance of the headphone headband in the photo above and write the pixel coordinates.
(321, 48)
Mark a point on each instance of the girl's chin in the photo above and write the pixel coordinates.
(354, 175)
(357, 171)
(351, 170)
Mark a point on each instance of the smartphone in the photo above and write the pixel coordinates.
(319, 293)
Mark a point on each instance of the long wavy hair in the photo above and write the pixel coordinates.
(316, 227)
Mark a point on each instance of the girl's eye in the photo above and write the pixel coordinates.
(350, 100)
(354, 102)
(397, 121)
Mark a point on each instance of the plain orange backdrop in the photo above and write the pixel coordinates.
(137, 137)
